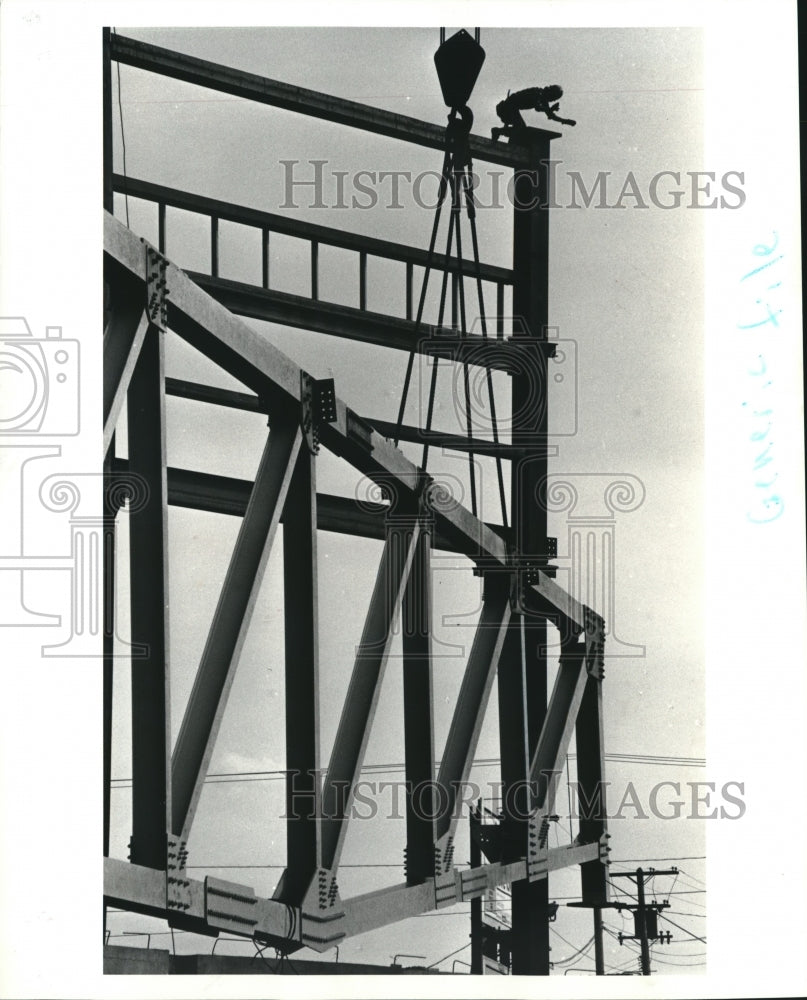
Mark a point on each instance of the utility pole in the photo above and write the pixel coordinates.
(645, 916)
(599, 958)
(642, 924)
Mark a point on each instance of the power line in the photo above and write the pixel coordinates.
(222, 777)
(680, 928)
(630, 861)
(691, 877)
(575, 954)
(663, 917)
(449, 955)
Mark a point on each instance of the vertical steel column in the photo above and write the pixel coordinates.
(106, 84)
(591, 789)
(362, 280)
(214, 246)
(477, 964)
(108, 613)
(314, 270)
(109, 547)
(530, 307)
(530, 924)
(151, 741)
(303, 835)
(418, 714)
(161, 226)
(265, 257)
(513, 743)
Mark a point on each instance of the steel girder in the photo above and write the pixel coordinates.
(252, 87)
(312, 232)
(307, 908)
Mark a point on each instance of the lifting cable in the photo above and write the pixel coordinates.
(456, 177)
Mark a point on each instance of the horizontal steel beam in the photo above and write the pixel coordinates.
(351, 323)
(143, 890)
(225, 495)
(247, 401)
(441, 439)
(225, 79)
(291, 226)
(218, 397)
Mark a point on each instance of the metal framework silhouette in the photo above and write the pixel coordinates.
(149, 298)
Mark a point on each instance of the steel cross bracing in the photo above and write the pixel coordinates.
(163, 806)
(149, 296)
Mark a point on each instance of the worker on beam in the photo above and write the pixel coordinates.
(542, 99)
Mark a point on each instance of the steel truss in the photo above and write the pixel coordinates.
(148, 296)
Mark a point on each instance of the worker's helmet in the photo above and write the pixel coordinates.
(553, 92)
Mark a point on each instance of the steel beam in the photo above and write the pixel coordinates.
(382, 907)
(106, 90)
(513, 742)
(250, 86)
(134, 887)
(143, 890)
(303, 844)
(151, 742)
(123, 339)
(286, 225)
(472, 700)
(308, 313)
(228, 629)
(419, 713)
(477, 961)
(225, 495)
(108, 631)
(365, 684)
(218, 397)
(249, 402)
(530, 915)
(593, 824)
(440, 439)
(561, 715)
